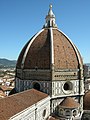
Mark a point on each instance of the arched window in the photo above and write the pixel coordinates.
(74, 113)
(61, 111)
(68, 113)
(44, 113)
(36, 86)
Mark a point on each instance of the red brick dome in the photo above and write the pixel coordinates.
(49, 47)
(36, 52)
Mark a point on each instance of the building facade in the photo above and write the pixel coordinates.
(51, 63)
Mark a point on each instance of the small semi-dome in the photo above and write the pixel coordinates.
(69, 103)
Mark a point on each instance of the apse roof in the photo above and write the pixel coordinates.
(86, 101)
(69, 103)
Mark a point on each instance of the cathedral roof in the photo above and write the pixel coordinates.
(40, 52)
(49, 46)
(14, 104)
(86, 101)
(69, 103)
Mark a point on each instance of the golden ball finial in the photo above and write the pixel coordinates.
(50, 6)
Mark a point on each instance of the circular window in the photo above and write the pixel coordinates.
(68, 86)
(36, 86)
(44, 113)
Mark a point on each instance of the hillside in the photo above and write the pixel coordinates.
(7, 63)
(88, 64)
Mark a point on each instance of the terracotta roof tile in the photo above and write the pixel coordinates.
(69, 103)
(65, 55)
(38, 54)
(13, 104)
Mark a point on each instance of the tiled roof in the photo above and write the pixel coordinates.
(39, 52)
(86, 101)
(13, 104)
(69, 103)
(65, 56)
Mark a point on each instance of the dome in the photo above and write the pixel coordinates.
(36, 52)
(48, 49)
(49, 46)
(69, 103)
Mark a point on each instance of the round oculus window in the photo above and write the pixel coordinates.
(68, 87)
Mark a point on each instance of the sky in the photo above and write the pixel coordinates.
(21, 19)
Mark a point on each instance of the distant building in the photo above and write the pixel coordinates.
(2, 94)
(5, 89)
(87, 84)
(87, 77)
(86, 71)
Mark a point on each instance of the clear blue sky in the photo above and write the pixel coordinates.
(21, 19)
